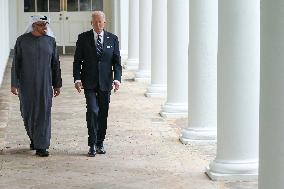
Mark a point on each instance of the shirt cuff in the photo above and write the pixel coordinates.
(117, 82)
(77, 81)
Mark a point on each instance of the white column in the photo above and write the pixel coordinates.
(238, 91)
(133, 33)
(145, 20)
(124, 11)
(202, 72)
(113, 17)
(271, 160)
(158, 87)
(116, 18)
(177, 51)
(109, 10)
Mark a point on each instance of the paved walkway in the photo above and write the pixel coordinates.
(143, 150)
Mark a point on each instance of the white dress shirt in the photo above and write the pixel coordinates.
(96, 37)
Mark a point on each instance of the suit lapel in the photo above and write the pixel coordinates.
(106, 38)
(91, 38)
(92, 42)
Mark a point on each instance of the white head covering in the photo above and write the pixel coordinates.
(37, 18)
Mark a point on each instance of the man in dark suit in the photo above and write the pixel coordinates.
(97, 69)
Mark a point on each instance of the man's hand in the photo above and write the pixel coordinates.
(78, 86)
(115, 85)
(56, 92)
(14, 90)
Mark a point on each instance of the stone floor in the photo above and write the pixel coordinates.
(143, 150)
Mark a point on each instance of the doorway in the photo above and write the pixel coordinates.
(68, 17)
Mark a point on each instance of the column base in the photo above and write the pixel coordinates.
(131, 64)
(198, 135)
(156, 90)
(174, 110)
(230, 171)
(143, 76)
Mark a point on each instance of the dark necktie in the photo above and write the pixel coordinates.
(99, 47)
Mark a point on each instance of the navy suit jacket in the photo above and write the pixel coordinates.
(88, 68)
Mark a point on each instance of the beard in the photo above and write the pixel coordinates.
(43, 32)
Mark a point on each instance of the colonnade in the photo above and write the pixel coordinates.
(210, 61)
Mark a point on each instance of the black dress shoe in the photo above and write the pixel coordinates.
(42, 152)
(100, 150)
(92, 151)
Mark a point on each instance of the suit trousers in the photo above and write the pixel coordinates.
(97, 112)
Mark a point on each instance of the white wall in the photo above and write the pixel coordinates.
(13, 26)
(4, 36)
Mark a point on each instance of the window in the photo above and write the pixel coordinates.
(97, 5)
(42, 5)
(54, 5)
(29, 6)
(62, 5)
